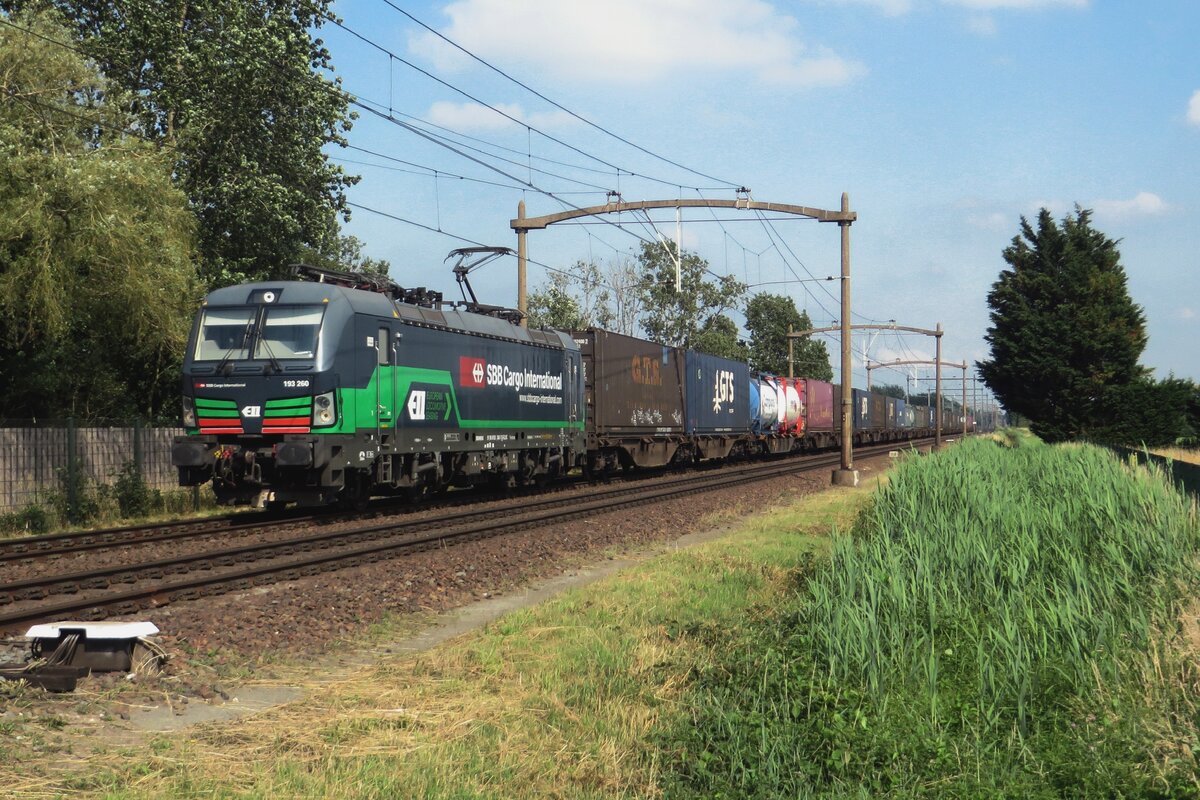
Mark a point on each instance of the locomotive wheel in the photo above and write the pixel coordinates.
(356, 493)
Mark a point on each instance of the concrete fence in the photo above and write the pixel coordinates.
(36, 460)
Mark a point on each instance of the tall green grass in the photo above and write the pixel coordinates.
(1000, 622)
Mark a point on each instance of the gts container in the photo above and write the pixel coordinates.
(634, 390)
(718, 394)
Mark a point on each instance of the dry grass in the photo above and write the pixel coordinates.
(1178, 454)
(554, 701)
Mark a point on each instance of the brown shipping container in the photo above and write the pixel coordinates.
(818, 402)
(632, 386)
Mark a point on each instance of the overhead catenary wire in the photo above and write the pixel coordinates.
(360, 101)
(350, 99)
(522, 185)
(447, 84)
(445, 175)
(536, 93)
(458, 237)
(448, 174)
(469, 157)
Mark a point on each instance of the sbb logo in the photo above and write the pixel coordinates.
(472, 372)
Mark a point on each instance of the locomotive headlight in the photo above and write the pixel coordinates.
(324, 411)
(189, 412)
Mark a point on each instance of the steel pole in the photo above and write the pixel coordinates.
(791, 353)
(937, 390)
(522, 257)
(846, 476)
(975, 402)
(964, 399)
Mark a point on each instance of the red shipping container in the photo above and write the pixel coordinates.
(818, 399)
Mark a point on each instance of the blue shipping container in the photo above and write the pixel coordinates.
(718, 394)
(862, 411)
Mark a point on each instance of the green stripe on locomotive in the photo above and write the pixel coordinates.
(357, 406)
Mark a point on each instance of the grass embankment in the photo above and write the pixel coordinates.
(999, 622)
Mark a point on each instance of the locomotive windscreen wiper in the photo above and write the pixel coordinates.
(272, 360)
(223, 366)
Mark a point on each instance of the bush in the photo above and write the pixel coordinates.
(134, 497)
(33, 518)
(87, 497)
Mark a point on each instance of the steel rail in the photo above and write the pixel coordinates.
(103, 577)
(135, 599)
(241, 523)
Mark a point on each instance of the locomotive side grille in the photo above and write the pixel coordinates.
(217, 416)
(287, 415)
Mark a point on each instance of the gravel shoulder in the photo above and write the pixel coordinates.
(239, 653)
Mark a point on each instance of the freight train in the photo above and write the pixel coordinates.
(339, 388)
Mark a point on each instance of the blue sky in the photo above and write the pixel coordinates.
(944, 120)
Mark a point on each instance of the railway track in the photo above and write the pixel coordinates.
(26, 548)
(128, 588)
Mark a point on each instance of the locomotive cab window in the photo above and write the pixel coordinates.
(289, 332)
(224, 334)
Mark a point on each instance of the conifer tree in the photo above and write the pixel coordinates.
(1065, 335)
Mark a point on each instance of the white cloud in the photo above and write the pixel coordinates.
(1144, 204)
(893, 8)
(476, 117)
(897, 7)
(1193, 115)
(632, 41)
(1187, 313)
(992, 5)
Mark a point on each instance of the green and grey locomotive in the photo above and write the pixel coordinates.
(339, 388)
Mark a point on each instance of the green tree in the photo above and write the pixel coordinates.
(768, 317)
(889, 390)
(553, 306)
(240, 93)
(1148, 412)
(719, 337)
(345, 255)
(1065, 336)
(96, 244)
(572, 301)
(676, 318)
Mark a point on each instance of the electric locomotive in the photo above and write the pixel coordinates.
(339, 387)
